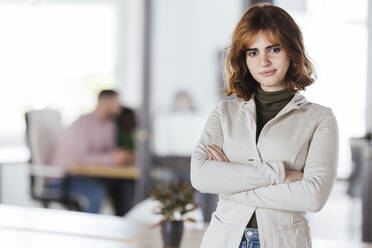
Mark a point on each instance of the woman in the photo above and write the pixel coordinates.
(125, 129)
(270, 155)
(123, 190)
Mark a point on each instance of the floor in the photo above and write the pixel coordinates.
(340, 218)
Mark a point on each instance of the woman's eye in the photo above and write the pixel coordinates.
(251, 53)
(275, 49)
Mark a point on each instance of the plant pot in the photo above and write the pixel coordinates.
(171, 232)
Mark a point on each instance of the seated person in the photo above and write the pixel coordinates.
(125, 139)
(125, 132)
(90, 140)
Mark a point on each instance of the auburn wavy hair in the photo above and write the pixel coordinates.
(279, 27)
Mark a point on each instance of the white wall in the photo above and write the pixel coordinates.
(369, 72)
(187, 36)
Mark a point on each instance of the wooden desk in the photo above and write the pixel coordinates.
(123, 172)
(22, 227)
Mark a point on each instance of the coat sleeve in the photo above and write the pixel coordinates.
(310, 193)
(211, 176)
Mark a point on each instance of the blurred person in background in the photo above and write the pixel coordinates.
(126, 127)
(91, 140)
(269, 154)
(126, 124)
(175, 130)
(183, 103)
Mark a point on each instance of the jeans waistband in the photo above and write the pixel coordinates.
(250, 232)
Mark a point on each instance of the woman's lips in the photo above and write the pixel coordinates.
(268, 73)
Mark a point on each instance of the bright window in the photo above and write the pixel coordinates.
(55, 55)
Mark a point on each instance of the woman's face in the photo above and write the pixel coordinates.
(267, 62)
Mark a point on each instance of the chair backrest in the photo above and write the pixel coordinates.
(43, 129)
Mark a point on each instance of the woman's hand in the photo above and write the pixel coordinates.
(292, 175)
(215, 153)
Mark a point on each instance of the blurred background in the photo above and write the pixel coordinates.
(165, 60)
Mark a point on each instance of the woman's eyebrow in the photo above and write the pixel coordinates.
(268, 47)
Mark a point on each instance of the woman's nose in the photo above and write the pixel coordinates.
(264, 60)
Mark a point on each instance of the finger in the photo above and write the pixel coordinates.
(225, 158)
(210, 155)
(215, 153)
(219, 150)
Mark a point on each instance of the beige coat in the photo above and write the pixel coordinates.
(302, 136)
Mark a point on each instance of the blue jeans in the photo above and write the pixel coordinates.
(250, 238)
(92, 192)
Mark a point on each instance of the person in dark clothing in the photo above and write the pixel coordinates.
(126, 125)
(122, 191)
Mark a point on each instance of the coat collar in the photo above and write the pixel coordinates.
(296, 102)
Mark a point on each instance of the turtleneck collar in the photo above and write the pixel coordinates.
(249, 107)
(269, 103)
(270, 97)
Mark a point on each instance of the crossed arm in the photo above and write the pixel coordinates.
(269, 185)
(222, 177)
(216, 153)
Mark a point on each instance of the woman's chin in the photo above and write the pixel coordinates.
(270, 86)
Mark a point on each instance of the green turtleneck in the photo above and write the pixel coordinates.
(268, 105)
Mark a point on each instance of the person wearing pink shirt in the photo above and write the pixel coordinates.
(90, 140)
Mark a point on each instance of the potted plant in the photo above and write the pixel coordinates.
(176, 199)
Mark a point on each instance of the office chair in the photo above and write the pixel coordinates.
(43, 128)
